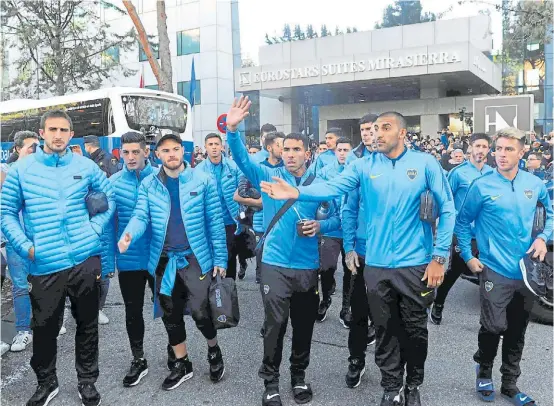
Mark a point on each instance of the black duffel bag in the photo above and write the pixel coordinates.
(224, 303)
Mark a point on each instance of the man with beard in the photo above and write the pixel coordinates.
(62, 241)
(290, 261)
(403, 263)
(460, 178)
(501, 207)
(183, 209)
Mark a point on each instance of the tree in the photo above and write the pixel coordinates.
(324, 31)
(310, 33)
(337, 30)
(143, 39)
(63, 46)
(287, 35)
(298, 33)
(166, 77)
(267, 40)
(404, 13)
(354, 29)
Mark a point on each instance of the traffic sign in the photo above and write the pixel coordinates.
(222, 123)
(491, 114)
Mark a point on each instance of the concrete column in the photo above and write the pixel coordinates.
(277, 113)
(430, 124)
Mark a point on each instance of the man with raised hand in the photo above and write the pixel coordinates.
(226, 175)
(459, 179)
(403, 266)
(502, 205)
(290, 260)
(133, 264)
(62, 241)
(183, 209)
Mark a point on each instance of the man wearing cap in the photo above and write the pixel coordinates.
(187, 244)
(106, 161)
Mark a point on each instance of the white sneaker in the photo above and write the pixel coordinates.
(4, 348)
(63, 330)
(102, 318)
(21, 340)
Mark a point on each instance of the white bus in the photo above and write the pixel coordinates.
(107, 113)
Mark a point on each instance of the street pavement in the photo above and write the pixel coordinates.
(450, 370)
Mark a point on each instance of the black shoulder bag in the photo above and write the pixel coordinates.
(288, 204)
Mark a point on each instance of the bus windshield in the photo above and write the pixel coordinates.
(142, 112)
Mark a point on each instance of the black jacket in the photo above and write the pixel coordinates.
(106, 161)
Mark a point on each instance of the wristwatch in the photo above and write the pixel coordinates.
(439, 259)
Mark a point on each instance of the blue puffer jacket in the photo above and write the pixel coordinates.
(125, 185)
(283, 247)
(50, 191)
(259, 216)
(327, 173)
(201, 212)
(230, 178)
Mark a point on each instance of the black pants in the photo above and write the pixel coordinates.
(48, 293)
(232, 251)
(259, 257)
(287, 292)
(357, 335)
(133, 284)
(457, 267)
(398, 302)
(191, 290)
(505, 307)
(329, 250)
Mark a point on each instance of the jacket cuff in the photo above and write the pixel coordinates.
(25, 247)
(441, 252)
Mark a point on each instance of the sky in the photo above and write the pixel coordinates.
(260, 16)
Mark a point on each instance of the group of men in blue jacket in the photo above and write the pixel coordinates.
(174, 228)
(403, 261)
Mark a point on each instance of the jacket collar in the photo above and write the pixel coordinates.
(147, 170)
(183, 176)
(53, 159)
(399, 156)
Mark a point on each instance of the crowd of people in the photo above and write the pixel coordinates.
(397, 217)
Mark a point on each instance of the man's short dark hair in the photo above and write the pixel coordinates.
(255, 146)
(213, 135)
(133, 137)
(299, 137)
(537, 154)
(267, 128)
(400, 119)
(344, 140)
(271, 137)
(55, 114)
(368, 118)
(479, 136)
(322, 143)
(20, 137)
(335, 130)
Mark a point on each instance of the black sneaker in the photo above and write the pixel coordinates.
(436, 313)
(395, 398)
(534, 274)
(44, 394)
(345, 318)
(356, 370)
(371, 334)
(215, 359)
(271, 396)
(88, 394)
(412, 396)
(322, 310)
(138, 370)
(170, 358)
(182, 371)
(333, 288)
(262, 332)
(301, 391)
(242, 271)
